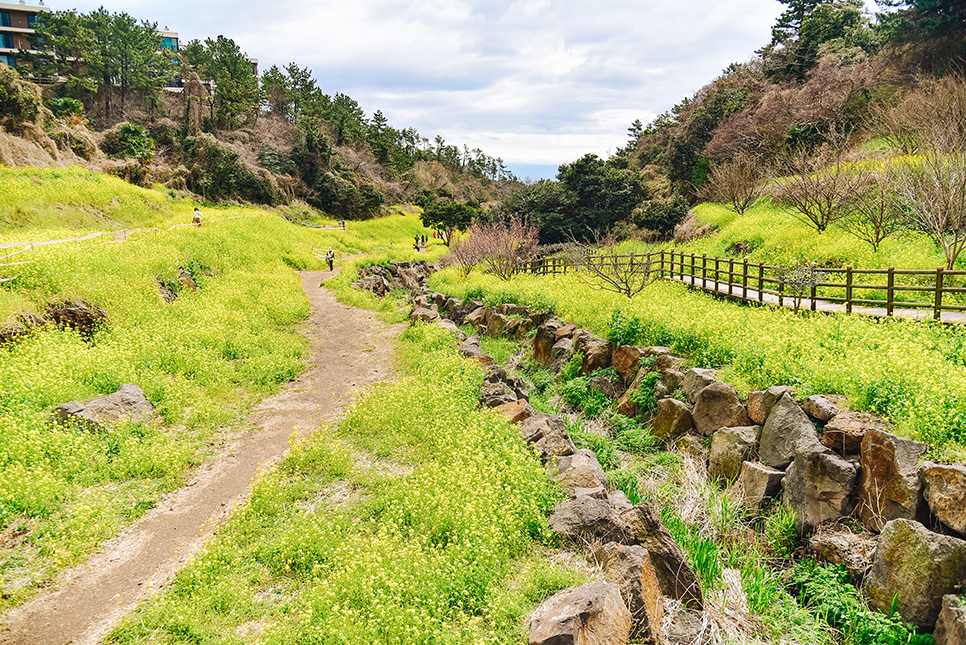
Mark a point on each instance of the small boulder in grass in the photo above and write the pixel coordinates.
(579, 470)
(586, 519)
(626, 360)
(695, 380)
(951, 626)
(759, 483)
(845, 431)
(674, 574)
(914, 568)
(760, 403)
(630, 568)
(128, 403)
(889, 487)
(786, 429)
(819, 487)
(730, 447)
(560, 354)
(424, 315)
(544, 340)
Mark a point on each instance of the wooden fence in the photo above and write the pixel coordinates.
(888, 289)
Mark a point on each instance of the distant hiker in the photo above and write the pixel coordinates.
(330, 257)
(417, 243)
(197, 216)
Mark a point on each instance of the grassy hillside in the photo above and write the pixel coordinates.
(776, 237)
(203, 360)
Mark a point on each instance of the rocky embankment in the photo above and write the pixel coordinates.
(824, 461)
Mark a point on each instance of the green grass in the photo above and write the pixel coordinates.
(442, 547)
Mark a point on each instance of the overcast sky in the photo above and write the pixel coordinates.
(534, 82)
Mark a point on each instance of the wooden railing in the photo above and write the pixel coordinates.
(888, 289)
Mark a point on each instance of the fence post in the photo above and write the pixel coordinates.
(781, 294)
(814, 293)
(890, 299)
(731, 273)
(704, 270)
(744, 278)
(761, 282)
(848, 289)
(717, 273)
(693, 270)
(938, 303)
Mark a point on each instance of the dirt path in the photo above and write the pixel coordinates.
(351, 349)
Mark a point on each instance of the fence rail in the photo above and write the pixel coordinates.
(913, 292)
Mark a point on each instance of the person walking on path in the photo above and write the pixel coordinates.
(197, 220)
(330, 257)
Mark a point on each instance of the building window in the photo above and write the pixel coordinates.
(169, 43)
(7, 59)
(31, 20)
(4, 19)
(6, 41)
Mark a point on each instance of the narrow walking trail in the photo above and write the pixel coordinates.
(351, 349)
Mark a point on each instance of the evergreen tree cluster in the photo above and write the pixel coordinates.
(108, 66)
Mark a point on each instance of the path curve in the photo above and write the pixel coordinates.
(351, 349)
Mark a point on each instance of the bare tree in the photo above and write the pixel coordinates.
(465, 253)
(499, 246)
(899, 123)
(738, 182)
(604, 269)
(874, 214)
(818, 187)
(933, 115)
(934, 194)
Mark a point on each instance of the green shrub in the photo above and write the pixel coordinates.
(661, 215)
(128, 140)
(830, 594)
(579, 393)
(66, 105)
(623, 329)
(602, 446)
(644, 397)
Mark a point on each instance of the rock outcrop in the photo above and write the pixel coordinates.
(917, 568)
(592, 614)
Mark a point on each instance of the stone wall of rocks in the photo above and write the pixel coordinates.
(821, 459)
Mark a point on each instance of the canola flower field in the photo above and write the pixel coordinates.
(203, 360)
